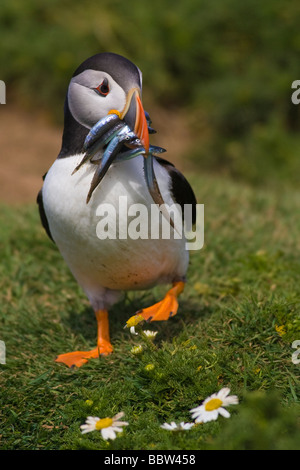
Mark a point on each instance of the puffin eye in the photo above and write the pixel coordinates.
(103, 88)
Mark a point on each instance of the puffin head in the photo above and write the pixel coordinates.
(105, 84)
(108, 83)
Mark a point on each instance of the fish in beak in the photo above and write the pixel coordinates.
(135, 117)
(134, 134)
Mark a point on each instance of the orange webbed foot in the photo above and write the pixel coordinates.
(160, 311)
(78, 358)
(104, 347)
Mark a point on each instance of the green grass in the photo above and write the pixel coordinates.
(242, 285)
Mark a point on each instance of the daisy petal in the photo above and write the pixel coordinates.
(223, 393)
(232, 400)
(224, 412)
(117, 429)
(195, 410)
(118, 415)
(86, 429)
(132, 330)
(108, 433)
(121, 423)
(186, 426)
(92, 419)
(207, 416)
(166, 426)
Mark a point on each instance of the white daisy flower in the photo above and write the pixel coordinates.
(150, 334)
(213, 406)
(177, 427)
(108, 426)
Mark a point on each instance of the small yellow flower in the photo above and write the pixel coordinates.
(149, 367)
(280, 329)
(134, 320)
(89, 402)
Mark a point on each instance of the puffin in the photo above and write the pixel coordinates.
(108, 86)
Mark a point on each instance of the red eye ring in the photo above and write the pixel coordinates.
(103, 88)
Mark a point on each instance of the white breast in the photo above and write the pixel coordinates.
(110, 264)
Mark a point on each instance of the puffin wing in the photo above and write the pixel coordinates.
(181, 190)
(42, 212)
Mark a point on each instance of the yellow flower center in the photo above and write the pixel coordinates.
(103, 423)
(213, 404)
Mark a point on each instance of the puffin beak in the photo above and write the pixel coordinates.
(134, 116)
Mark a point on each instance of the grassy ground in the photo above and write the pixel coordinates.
(237, 320)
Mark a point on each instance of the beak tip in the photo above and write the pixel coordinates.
(141, 125)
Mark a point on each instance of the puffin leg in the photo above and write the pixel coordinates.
(162, 310)
(104, 347)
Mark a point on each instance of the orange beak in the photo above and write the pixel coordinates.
(134, 115)
(141, 126)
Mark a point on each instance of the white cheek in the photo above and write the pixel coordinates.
(88, 108)
(115, 99)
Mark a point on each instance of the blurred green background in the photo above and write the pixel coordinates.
(218, 80)
(224, 66)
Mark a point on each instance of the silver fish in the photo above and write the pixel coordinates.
(128, 154)
(99, 129)
(114, 133)
(125, 135)
(99, 144)
(154, 188)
